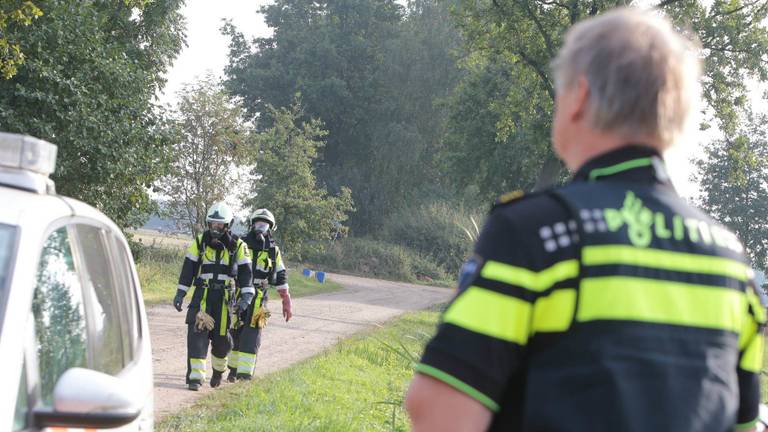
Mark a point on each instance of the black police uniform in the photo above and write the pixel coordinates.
(605, 305)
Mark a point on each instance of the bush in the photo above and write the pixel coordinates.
(435, 230)
(377, 259)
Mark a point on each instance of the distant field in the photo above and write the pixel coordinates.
(154, 238)
(357, 385)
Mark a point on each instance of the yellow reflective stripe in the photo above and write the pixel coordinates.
(664, 260)
(223, 318)
(531, 280)
(219, 363)
(752, 358)
(554, 313)
(662, 302)
(197, 363)
(242, 252)
(491, 314)
(203, 299)
(246, 359)
(747, 333)
(757, 306)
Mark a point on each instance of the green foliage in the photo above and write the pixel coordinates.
(373, 73)
(213, 139)
(358, 385)
(158, 271)
(306, 213)
(88, 82)
(502, 109)
(378, 259)
(733, 175)
(14, 13)
(438, 231)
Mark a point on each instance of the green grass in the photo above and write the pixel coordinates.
(358, 385)
(159, 270)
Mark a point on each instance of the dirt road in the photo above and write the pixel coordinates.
(318, 323)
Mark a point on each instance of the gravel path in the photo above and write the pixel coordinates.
(319, 322)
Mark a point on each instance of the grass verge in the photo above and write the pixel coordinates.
(159, 275)
(358, 385)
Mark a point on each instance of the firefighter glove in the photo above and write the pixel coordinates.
(179, 299)
(244, 302)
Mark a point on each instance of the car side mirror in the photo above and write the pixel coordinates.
(84, 398)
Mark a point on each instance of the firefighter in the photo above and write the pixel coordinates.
(215, 261)
(268, 269)
(609, 304)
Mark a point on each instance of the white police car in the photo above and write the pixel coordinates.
(74, 340)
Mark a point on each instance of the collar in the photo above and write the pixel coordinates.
(636, 163)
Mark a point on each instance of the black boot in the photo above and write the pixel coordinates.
(194, 385)
(216, 378)
(232, 375)
(243, 376)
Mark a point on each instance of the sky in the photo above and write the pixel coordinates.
(207, 48)
(207, 51)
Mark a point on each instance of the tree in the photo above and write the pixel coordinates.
(372, 74)
(306, 213)
(733, 176)
(14, 13)
(510, 46)
(213, 140)
(90, 75)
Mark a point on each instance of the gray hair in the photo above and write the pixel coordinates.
(643, 75)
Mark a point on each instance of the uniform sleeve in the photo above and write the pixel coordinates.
(244, 274)
(190, 266)
(751, 344)
(481, 341)
(281, 277)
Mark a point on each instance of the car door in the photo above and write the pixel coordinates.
(85, 314)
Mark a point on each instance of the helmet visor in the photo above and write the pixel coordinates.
(261, 226)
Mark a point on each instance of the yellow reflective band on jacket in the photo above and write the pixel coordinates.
(752, 357)
(661, 302)
(491, 314)
(757, 307)
(664, 260)
(554, 313)
(530, 280)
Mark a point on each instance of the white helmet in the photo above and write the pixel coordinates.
(221, 213)
(265, 215)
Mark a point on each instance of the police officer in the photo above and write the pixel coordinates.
(214, 262)
(268, 269)
(608, 304)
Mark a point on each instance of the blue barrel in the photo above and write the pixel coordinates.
(320, 276)
(307, 272)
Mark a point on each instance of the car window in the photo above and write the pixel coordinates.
(7, 251)
(127, 285)
(20, 419)
(59, 313)
(102, 292)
